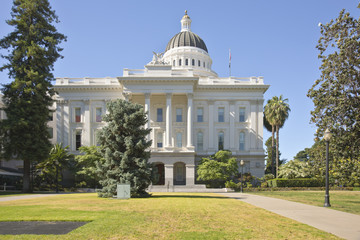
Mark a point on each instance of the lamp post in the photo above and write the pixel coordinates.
(242, 173)
(327, 136)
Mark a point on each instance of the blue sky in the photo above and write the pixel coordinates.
(275, 39)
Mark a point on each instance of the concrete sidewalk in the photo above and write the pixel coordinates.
(11, 198)
(341, 224)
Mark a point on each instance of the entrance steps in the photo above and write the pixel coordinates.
(185, 188)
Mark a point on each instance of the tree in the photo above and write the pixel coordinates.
(217, 169)
(294, 169)
(86, 166)
(270, 150)
(59, 158)
(124, 149)
(336, 94)
(277, 111)
(270, 156)
(33, 50)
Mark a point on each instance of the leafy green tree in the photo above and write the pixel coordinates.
(33, 49)
(50, 169)
(270, 156)
(124, 149)
(86, 170)
(295, 169)
(277, 111)
(217, 169)
(336, 94)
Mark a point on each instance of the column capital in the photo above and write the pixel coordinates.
(190, 95)
(147, 95)
(87, 101)
(232, 102)
(168, 95)
(127, 95)
(211, 101)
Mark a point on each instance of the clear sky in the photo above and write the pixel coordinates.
(274, 39)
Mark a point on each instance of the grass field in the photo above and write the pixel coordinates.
(347, 201)
(163, 216)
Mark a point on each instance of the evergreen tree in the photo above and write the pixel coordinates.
(336, 94)
(124, 149)
(33, 49)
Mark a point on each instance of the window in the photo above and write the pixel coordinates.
(77, 140)
(159, 115)
(221, 112)
(160, 140)
(203, 64)
(199, 63)
(179, 62)
(186, 62)
(179, 115)
(50, 118)
(77, 114)
(242, 141)
(51, 132)
(200, 141)
(179, 140)
(174, 63)
(221, 141)
(193, 62)
(98, 115)
(200, 114)
(242, 115)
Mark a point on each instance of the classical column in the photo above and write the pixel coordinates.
(147, 110)
(60, 121)
(260, 124)
(232, 125)
(189, 120)
(168, 120)
(86, 141)
(66, 126)
(190, 174)
(253, 124)
(169, 174)
(211, 125)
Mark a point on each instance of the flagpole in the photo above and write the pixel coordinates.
(229, 62)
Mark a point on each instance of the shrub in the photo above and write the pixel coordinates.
(296, 182)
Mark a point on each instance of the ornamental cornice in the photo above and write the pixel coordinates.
(233, 87)
(86, 88)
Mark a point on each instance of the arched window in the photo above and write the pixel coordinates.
(179, 62)
(200, 141)
(174, 63)
(199, 63)
(193, 62)
(221, 141)
(186, 62)
(242, 141)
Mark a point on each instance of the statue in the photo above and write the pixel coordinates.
(157, 59)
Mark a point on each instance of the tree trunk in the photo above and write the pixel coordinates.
(277, 150)
(26, 177)
(272, 148)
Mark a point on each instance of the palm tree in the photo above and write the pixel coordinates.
(277, 111)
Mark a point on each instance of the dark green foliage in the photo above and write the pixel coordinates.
(49, 170)
(86, 171)
(217, 169)
(124, 149)
(270, 152)
(336, 95)
(33, 50)
(296, 182)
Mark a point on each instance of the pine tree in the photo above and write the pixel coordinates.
(33, 50)
(124, 148)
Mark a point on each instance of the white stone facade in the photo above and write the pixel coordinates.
(192, 112)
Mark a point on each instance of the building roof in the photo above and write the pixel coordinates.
(186, 39)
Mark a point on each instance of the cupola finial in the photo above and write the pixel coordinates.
(186, 23)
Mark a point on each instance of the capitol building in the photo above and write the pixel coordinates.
(192, 111)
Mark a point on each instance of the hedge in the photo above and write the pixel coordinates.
(296, 182)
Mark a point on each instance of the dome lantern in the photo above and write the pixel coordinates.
(186, 23)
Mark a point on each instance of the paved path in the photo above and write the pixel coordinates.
(14, 197)
(341, 224)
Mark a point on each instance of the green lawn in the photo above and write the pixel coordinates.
(163, 216)
(347, 201)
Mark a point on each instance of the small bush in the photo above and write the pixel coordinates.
(264, 185)
(296, 182)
